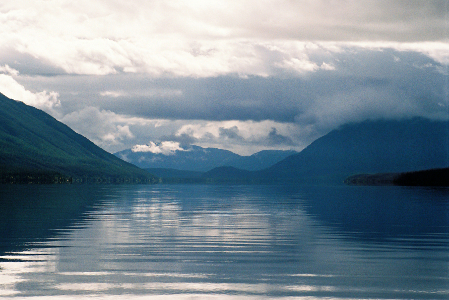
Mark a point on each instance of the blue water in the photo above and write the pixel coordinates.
(223, 242)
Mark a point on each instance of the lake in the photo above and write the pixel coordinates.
(223, 242)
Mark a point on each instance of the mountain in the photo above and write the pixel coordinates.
(192, 158)
(382, 146)
(228, 174)
(36, 147)
(260, 160)
(195, 158)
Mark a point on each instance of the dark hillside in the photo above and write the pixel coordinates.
(34, 143)
(434, 177)
(260, 160)
(368, 147)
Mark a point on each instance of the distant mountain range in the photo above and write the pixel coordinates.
(382, 146)
(370, 147)
(195, 158)
(35, 147)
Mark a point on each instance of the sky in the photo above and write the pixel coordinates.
(238, 75)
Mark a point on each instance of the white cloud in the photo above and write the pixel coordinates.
(47, 101)
(298, 65)
(8, 70)
(328, 67)
(113, 94)
(151, 92)
(104, 128)
(120, 132)
(212, 38)
(165, 147)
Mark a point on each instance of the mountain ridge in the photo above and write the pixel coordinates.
(195, 158)
(378, 146)
(36, 146)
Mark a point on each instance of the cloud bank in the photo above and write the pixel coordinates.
(238, 75)
(211, 38)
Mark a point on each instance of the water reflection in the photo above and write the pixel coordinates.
(227, 242)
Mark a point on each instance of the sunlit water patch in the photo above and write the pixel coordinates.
(224, 242)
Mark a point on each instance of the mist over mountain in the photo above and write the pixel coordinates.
(195, 158)
(32, 143)
(34, 146)
(380, 146)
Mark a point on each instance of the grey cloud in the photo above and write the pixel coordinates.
(385, 20)
(397, 77)
(27, 64)
(365, 84)
(368, 78)
(283, 61)
(230, 133)
(277, 139)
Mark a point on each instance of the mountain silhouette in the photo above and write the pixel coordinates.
(36, 147)
(195, 158)
(381, 146)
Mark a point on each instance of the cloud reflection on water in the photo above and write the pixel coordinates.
(229, 242)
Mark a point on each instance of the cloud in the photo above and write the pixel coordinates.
(47, 101)
(148, 93)
(113, 94)
(184, 140)
(277, 139)
(165, 148)
(104, 128)
(229, 133)
(8, 70)
(210, 38)
(238, 113)
(234, 74)
(409, 81)
(247, 137)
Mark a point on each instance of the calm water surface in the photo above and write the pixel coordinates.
(224, 242)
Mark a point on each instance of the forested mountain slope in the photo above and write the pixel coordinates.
(32, 144)
(380, 146)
